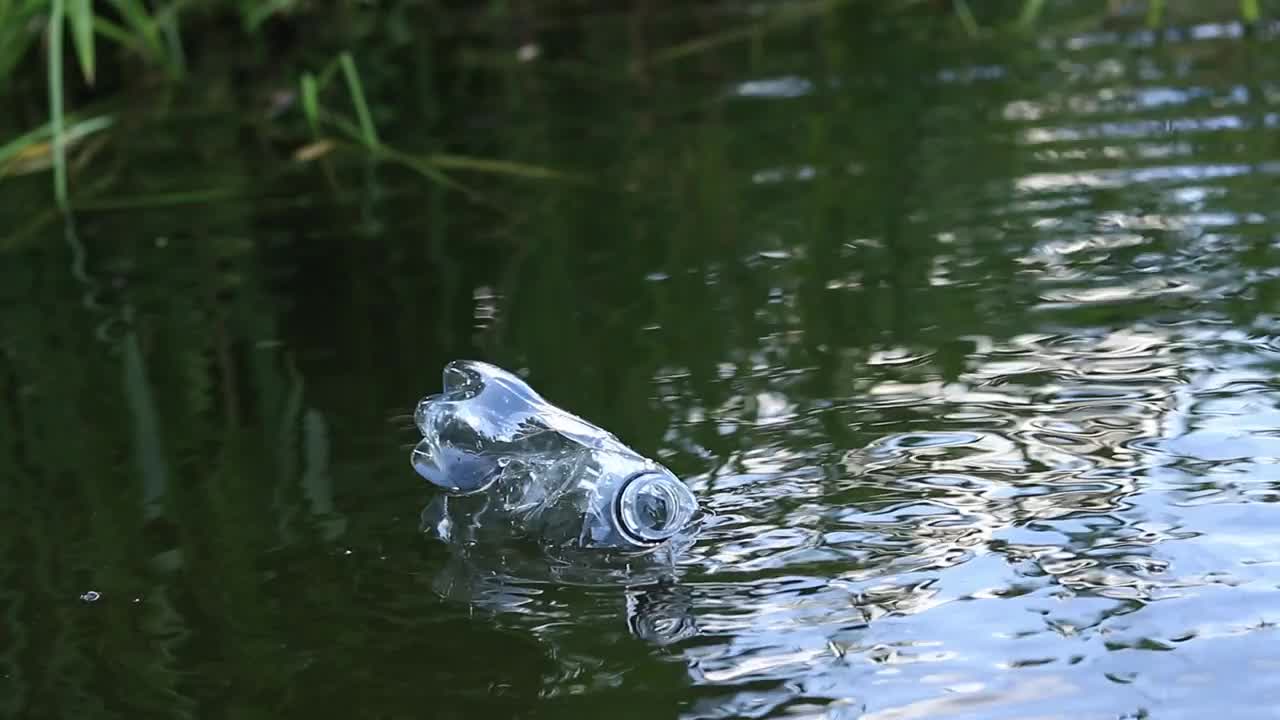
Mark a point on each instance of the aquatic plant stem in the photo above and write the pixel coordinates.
(367, 130)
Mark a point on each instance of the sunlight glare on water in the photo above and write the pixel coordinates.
(1076, 521)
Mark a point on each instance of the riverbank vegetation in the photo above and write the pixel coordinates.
(70, 68)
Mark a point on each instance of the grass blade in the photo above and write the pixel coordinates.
(367, 131)
(118, 35)
(161, 199)
(965, 15)
(34, 147)
(172, 36)
(425, 168)
(81, 14)
(1155, 12)
(788, 15)
(1250, 10)
(56, 16)
(1030, 11)
(311, 102)
(137, 18)
(500, 167)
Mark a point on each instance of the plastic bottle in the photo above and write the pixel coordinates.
(510, 461)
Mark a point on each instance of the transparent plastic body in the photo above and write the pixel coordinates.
(511, 462)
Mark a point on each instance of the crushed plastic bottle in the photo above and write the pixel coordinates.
(509, 460)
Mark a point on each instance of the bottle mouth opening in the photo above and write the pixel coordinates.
(651, 508)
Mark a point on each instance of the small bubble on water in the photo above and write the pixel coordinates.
(91, 596)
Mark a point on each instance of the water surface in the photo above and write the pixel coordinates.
(969, 346)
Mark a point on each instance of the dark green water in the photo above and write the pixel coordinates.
(969, 346)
